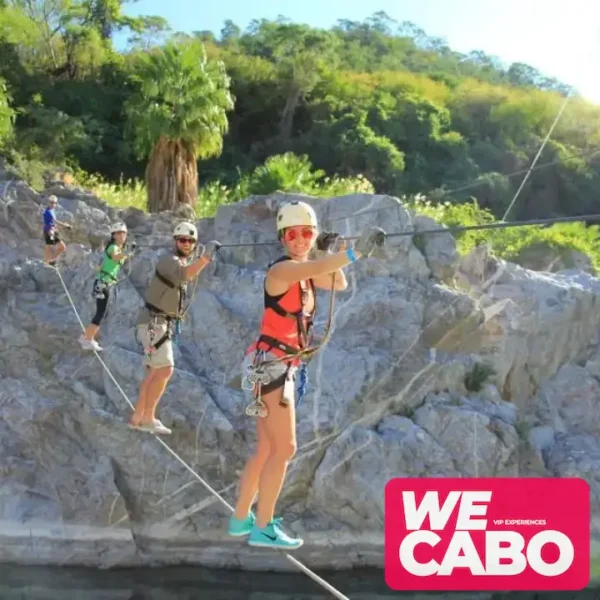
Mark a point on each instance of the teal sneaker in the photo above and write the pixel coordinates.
(272, 536)
(240, 527)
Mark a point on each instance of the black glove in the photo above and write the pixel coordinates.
(132, 246)
(326, 241)
(371, 242)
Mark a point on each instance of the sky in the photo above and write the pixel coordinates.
(559, 38)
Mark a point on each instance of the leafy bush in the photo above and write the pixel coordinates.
(477, 376)
(508, 243)
(455, 215)
(282, 172)
(7, 114)
(130, 192)
(286, 173)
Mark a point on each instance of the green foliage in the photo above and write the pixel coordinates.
(287, 173)
(477, 376)
(30, 169)
(180, 96)
(125, 193)
(371, 105)
(510, 242)
(7, 115)
(50, 134)
(455, 215)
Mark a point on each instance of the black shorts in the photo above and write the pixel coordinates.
(51, 237)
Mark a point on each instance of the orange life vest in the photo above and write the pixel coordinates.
(285, 327)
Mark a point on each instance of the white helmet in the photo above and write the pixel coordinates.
(186, 228)
(296, 213)
(118, 227)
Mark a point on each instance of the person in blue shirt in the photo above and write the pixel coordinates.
(51, 236)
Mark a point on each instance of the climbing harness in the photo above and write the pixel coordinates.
(99, 289)
(316, 578)
(174, 321)
(257, 377)
(154, 332)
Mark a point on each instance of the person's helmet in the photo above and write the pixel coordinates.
(296, 213)
(118, 227)
(187, 229)
(52, 199)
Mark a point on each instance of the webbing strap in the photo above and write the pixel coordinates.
(163, 279)
(298, 316)
(274, 343)
(109, 275)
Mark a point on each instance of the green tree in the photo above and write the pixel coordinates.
(177, 115)
(7, 114)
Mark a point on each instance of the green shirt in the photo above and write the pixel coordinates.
(110, 268)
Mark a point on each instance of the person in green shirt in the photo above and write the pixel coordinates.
(114, 257)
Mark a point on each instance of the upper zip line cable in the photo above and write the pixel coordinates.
(456, 229)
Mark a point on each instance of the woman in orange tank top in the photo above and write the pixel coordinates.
(285, 328)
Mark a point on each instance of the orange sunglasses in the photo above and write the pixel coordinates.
(292, 234)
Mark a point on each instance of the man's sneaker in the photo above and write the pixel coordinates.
(240, 527)
(85, 343)
(157, 427)
(89, 344)
(272, 536)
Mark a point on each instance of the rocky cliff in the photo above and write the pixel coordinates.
(438, 365)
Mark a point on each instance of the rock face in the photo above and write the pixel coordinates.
(438, 366)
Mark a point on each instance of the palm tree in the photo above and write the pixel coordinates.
(177, 115)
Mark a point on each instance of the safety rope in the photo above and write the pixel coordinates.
(560, 112)
(319, 580)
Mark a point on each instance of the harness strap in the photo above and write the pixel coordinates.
(180, 288)
(109, 275)
(273, 385)
(163, 279)
(162, 340)
(274, 343)
(299, 316)
(159, 312)
(169, 319)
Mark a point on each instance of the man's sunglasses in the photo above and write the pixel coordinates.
(184, 240)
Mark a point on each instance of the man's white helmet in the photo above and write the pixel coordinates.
(118, 227)
(186, 229)
(296, 213)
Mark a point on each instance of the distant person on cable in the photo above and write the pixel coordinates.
(162, 312)
(114, 257)
(51, 236)
(289, 302)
